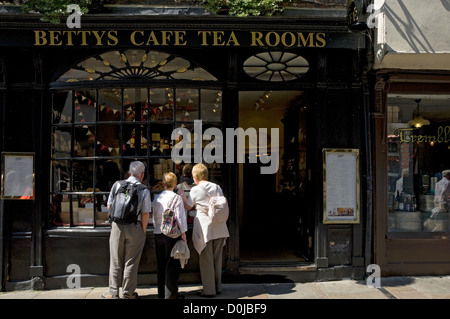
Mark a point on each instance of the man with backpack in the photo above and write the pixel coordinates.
(129, 206)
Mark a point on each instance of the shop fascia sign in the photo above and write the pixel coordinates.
(178, 38)
(407, 135)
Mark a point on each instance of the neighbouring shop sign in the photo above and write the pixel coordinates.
(180, 38)
(341, 186)
(408, 135)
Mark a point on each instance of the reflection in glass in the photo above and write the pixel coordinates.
(82, 176)
(187, 104)
(62, 107)
(161, 104)
(110, 105)
(211, 105)
(108, 140)
(85, 106)
(61, 176)
(135, 105)
(61, 141)
(84, 140)
(160, 139)
(137, 143)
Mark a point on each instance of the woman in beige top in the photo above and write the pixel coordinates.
(208, 238)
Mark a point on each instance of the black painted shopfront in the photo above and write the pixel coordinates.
(85, 102)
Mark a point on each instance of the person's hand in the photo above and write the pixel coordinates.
(180, 192)
(183, 237)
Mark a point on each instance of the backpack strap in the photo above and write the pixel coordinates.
(170, 204)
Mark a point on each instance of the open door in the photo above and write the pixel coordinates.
(273, 216)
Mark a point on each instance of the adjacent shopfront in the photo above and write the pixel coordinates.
(411, 142)
(84, 103)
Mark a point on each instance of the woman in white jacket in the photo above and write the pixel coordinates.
(168, 269)
(208, 238)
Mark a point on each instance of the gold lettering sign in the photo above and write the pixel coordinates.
(148, 38)
(406, 135)
(288, 39)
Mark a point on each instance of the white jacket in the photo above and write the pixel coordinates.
(204, 230)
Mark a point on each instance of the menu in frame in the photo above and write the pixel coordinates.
(341, 186)
(18, 176)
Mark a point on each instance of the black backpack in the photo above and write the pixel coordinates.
(124, 207)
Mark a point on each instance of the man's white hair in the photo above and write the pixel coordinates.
(136, 168)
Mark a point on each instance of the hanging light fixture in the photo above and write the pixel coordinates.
(418, 121)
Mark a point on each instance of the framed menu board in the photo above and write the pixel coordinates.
(341, 190)
(17, 176)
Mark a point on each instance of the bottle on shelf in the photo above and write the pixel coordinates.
(413, 203)
(408, 203)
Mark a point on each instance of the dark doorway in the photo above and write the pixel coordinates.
(273, 221)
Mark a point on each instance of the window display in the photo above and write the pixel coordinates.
(418, 148)
(97, 133)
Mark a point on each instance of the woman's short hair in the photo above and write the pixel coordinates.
(170, 180)
(200, 172)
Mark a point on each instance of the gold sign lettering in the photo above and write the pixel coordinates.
(406, 135)
(218, 38)
(67, 38)
(147, 38)
(288, 39)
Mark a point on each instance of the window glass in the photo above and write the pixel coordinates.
(62, 107)
(211, 105)
(110, 105)
(161, 104)
(187, 105)
(96, 133)
(418, 150)
(135, 64)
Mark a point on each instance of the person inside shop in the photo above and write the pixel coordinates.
(442, 192)
(127, 241)
(187, 182)
(208, 238)
(168, 268)
(401, 181)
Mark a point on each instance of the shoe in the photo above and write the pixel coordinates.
(201, 294)
(133, 296)
(109, 296)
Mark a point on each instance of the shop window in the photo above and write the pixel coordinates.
(418, 150)
(97, 132)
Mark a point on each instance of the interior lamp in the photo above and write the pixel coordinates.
(418, 121)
